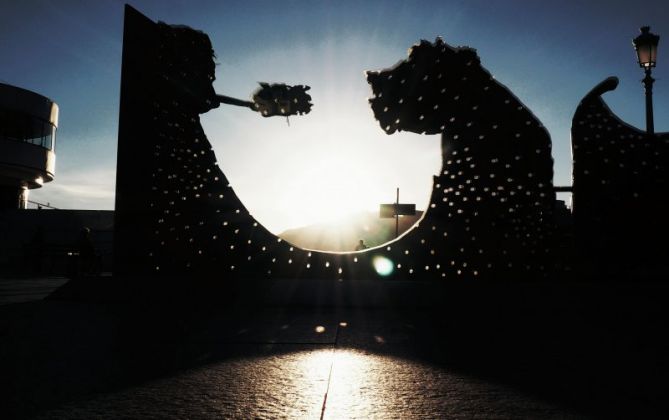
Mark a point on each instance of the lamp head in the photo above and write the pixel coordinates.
(646, 47)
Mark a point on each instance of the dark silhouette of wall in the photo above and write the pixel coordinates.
(620, 187)
(176, 214)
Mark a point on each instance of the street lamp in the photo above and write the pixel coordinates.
(646, 51)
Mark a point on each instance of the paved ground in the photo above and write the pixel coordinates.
(18, 290)
(469, 358)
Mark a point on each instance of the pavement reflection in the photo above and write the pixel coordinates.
(466, 359)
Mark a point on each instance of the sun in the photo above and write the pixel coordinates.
(337, 190)
(329, 165)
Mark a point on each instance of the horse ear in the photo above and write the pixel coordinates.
(468, 54)
(372, 76)
(419, 49)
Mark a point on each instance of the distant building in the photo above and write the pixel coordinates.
(45, 242)
(28, 124)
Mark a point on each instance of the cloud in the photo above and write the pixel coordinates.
(87, 188)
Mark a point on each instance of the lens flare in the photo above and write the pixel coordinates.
(382, 265)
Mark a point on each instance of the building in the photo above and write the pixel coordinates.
(46, 242)
(28, 124)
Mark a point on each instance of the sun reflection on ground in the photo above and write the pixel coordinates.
(360, 385)
(316, 381)
(364, 385)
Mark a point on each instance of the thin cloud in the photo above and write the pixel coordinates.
(92, 189)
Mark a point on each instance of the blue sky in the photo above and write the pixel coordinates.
(336, 159)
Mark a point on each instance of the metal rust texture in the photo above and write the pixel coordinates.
(490, 213)
(621, 180)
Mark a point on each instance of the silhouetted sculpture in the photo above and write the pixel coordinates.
(176, 214)
(361, 245)
(275, 99)
(620, 184)
(494, 196)
(280, 99)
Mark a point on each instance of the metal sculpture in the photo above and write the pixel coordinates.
(176, 214)
(494, 196)
(275, 99)
(621, 177)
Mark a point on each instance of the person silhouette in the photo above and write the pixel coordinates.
(87, 256)
(361, 245)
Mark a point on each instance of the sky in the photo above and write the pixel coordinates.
(335, 160)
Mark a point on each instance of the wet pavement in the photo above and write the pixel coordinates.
(68, 359)
(314, 382)
(305, 366)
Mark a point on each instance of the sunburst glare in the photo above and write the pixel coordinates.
(329, 165)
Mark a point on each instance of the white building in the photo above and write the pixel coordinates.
(28, 124)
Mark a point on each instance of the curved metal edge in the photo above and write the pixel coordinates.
(607, 85)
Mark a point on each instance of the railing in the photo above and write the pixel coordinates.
(42, 205)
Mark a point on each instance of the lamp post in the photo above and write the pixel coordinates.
(646, 51)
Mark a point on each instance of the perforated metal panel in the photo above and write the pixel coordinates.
(490, 209)
(620, 187)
